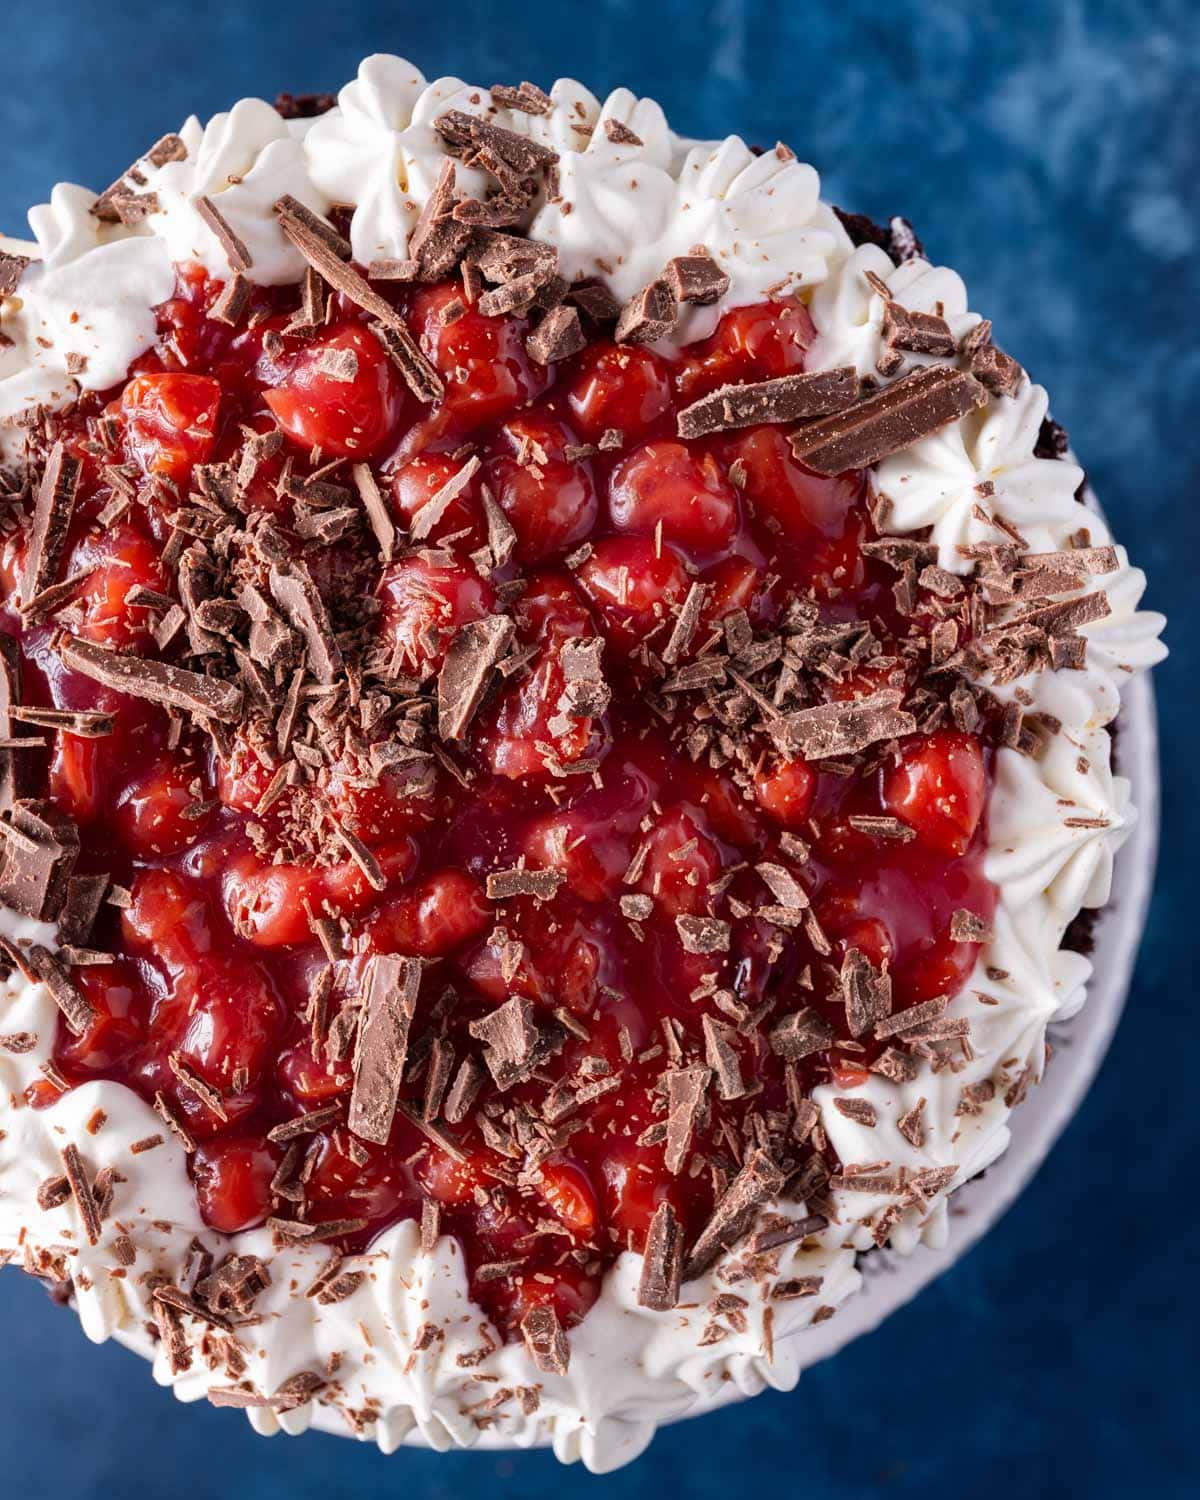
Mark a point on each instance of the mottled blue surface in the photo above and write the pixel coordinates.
(1052, 153)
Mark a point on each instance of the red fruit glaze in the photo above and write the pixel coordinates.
(238, 877)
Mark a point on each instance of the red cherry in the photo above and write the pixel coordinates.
(314, 1081)
(482, 360)
(569, 1290)
(154, 813)
(636, 1182)
(549, 500)
(683, 491)
(170, 422)
(168, 916)
(941, 968)
(592, 856)
(346, 1188)
(453, 1181)
(344, 417)
(416, 483)
(222, 1018)
(233, 1182)
(681, 863)
(634, 587)
(113, 993)
(527, 731)
(568, 1190)
(790, 499)
(115, 561)
(786, 791)
(424, 603)
(939, 789)
(616, 387)
(760, 342)
(438, 915)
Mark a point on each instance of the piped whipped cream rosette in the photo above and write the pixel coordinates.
(555, 694)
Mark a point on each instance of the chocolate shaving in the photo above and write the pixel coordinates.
(12, 268)
(760, 1179)
(52, 514)
(912, 332)
(545, 1340)
(391, 986)
(39, 845)
(867, 992)
(696, 278)
(662, 1263)
(888, 421)
(703, 934)
(648, 316)
(542, 884)
(686, 1089)
(81, 1191)
(376, 508)
(157, 681)
(300, 601)
(843, 728)
(801, 1034)
(235, 249)
(463, 679)
(424, 381)
(790, 398)
(557, 336)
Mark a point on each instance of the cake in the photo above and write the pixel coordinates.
(556, 713)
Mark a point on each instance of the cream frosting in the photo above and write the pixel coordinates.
(1055, 821)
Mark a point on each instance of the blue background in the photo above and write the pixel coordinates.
(1051, 153)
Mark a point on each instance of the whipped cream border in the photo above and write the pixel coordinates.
(631, 208)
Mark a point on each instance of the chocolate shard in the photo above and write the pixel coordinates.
(696, 278)
(39, 845)
(83, 1193)
(913, 333)
(800, 1035)
(843, 728)
(520, 153)
(391, 987)
(236, 252)
(790, 398)
(662, 1263)
(377, 510)
(10, 698)
(157, 681)
(527, 98)
(649, 315)
(43, 967)
(438, 241)
(545, 1340)
(541, 884)
(999, 372)
(463, 679)
(703, 934)
(686, 1090)
(300, 601)
(867, 992)
(760, 1179)
(510, 1039)
(888, 421)
(558, 336)
(52, 514)
(12, 268)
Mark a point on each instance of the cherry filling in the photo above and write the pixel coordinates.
(562, 497)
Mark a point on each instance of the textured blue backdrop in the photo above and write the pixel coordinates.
(1051, 152)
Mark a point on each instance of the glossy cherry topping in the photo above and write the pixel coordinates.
(700, 880)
